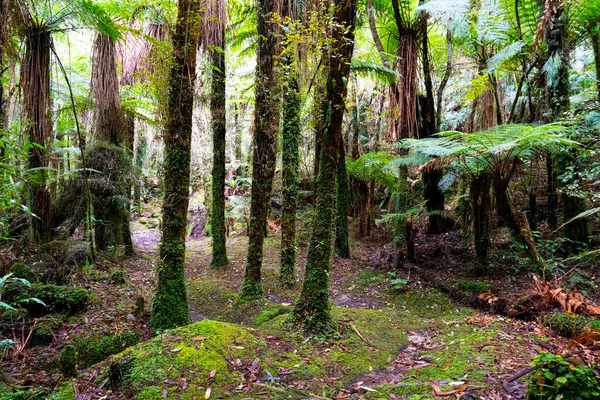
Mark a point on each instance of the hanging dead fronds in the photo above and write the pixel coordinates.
(404, 93)
(108, 116)
(139, 54)
(570, 302)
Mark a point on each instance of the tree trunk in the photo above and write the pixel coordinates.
(342, 195)
(109, 152)
(170, 308)
(312, 309)
(480, 203)
(217, 110)
(35, 82)
(290, 160)
(596, 46)
(266, 126)
(3, 37)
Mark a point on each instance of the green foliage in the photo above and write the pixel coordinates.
(569, 325)
(559, 379)
(397, 283)
(25, 299)
(47, 298)
(23, 271)
(117, 276)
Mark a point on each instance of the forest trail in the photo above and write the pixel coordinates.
(443, 350)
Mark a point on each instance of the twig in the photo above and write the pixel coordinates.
(359, 334)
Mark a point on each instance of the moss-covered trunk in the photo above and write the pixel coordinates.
(3, 37)
(35, 83)
(217, 109)
(342, 198)
(480, 204)
(266, 126)
(312, 311)
(290, 159)
(170, 306)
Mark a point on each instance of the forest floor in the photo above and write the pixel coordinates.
(395, 339)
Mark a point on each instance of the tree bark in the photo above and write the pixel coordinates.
(342, 196)
(596, 46)
(480, 201)
(170, 308)
(290, 160)
(218, 120)
(266, 126)
(109, 153)
(312, 311)
(35, 82)
(444, 82)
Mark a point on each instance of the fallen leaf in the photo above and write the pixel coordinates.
(439, 392)
(199, 338)
(176, 350)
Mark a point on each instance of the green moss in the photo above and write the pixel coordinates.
(473, 287)
(93, 350)
(150, 393)
(64, 392)
(194, 349)
(43, 332)
(68, 361)
(23, 271)
(67, 299)
(270, 311)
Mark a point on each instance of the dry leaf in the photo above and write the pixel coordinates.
(199, 338)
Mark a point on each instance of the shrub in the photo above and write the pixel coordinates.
(558, 379)
(567, 325)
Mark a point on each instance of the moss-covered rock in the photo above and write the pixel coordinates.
(92, 350)
(473, 287)
(70, 252)
(69, 299)
(42, 334)
(193, 350)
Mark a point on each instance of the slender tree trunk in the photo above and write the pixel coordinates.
(3, 36)
(444, 82)
(312, 309)
(434, 197)
(217, 109)
(480, 202)
(342, 195)
(35, 82)
(596, 46)
(170, 308)
(266, 126)
(290, 159)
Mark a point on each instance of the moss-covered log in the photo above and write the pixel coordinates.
(266, 126)
(217, 110)
(342, 198)
(290, 159)
(312, 310)
(170, 306)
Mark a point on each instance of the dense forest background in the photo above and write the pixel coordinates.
(299, 199)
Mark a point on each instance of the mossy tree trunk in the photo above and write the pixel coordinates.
(109, 152)
(217, 109)
(266, 126)
(290, 159)
(170, 307)
(35, 82)
(342, 199)
(3, 37)
(312, 310)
